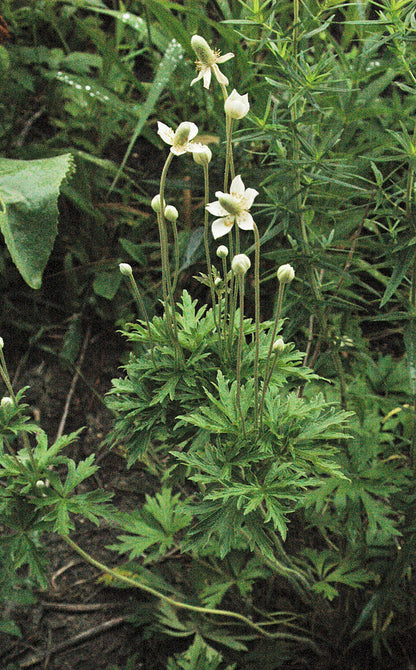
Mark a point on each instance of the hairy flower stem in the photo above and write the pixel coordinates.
(257, 320)
(225, 315)
(142, 308)
(268, 370)
(229, 159)
(217, 320)
(164, 251)
(6, 378)
(240, 350)
(119, 576)
(176, 256)
(233, 298)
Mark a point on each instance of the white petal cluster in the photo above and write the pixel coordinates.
(207, 63)
(237, 106)
(180, 140)
(232, 208)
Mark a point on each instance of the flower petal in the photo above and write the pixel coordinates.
(178, 151)
(237, 186)
(206, 73)
(193, 131)
(200, 75)
(222, 226)
(245, 221)
(216, 209)
(219, 76)
(225, 57)
(248, 198)
(195, 147)
(165, 132)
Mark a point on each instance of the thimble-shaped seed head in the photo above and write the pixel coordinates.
(202, 50)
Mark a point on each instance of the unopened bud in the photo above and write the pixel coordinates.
(285, 274)
(40, 484)
(217, 281)
(125, 269)
(240, 264)
(236, 106)
(279, 345)
(156, 203)
(222, 251)
(171, 213)
(1, 343)
(202, 157)
(6, 402)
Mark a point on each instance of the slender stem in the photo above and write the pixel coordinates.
(6, 378)
(257, 320)
(217, 321)
(168, 293)
(240, 350)
(139, 301)
(224, 272)
(176, 256)
(267, 370)
(171, 601)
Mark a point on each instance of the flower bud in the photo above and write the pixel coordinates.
(6, 402)
(125, 269)
(1, 343)
(40, 484)
(222, 251)
(156, 204)
(236, 106)
(240, 264)
(202, 157)
(278, 345)
(202, 49)
(285, 274)
(171, 213)
(217, 281)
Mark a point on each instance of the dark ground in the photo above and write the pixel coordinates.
(79, 622)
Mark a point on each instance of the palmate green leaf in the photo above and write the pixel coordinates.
(199, 656)
(331, 569)
(29, 193)
(156, 524)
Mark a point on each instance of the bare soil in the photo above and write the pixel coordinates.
(78, 622)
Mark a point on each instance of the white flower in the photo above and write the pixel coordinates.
(232, 208)
(207, 62)
(180, 140)
(237, 106)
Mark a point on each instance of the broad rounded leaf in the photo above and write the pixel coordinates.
(29, 193)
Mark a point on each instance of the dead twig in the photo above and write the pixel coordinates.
(75, 607)
(74, 641)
